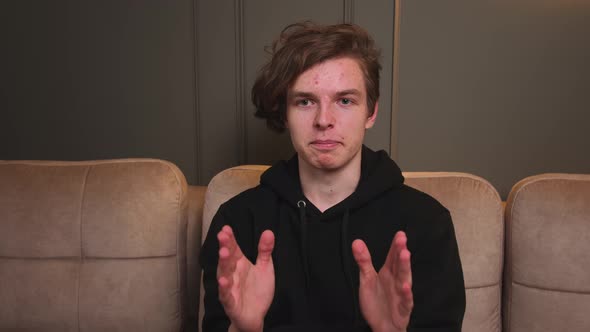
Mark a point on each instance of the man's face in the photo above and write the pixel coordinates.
(327, 114)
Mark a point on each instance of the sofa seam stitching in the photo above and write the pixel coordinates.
(496, 284)
(555, 290)
(178, 242)
(178, 256)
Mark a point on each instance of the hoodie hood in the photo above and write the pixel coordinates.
(378, 174)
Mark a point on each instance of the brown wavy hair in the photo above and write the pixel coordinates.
(301, 46)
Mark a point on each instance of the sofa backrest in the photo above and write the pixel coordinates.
(476, 209)
(92, 246)
(223, 186)
(547, 268)
(477, 212)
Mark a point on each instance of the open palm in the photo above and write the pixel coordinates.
(385, 297)
(245, 290)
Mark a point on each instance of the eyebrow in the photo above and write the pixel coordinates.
(303, 94)
(349, 92)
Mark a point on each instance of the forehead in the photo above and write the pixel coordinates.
(333, 74)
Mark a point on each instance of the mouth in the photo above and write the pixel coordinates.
(325, 144)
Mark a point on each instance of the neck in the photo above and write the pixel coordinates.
(326, 188)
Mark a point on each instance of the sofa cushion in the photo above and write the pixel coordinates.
(92, 246)
(547, 261)
(477, 212)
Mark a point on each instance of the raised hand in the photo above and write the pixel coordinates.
(386, 298)
(245, 290)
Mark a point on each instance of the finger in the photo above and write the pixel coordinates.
(397, 245)
(227, 239)
(265, 246)
(400, 241)
(362, 256)
(407, 300)
(404, 271)
(225, 296)
(225, 266)
(229, 252)
(404, 282)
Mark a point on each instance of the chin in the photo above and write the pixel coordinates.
(327, 163)
(327, 160)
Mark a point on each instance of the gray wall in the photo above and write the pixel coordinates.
(497, 88)
(100, 79)
(161, 79)
(494, 88)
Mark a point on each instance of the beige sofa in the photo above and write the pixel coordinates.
(547, 270)
(527, 268)
(93, 246)
(112, 246)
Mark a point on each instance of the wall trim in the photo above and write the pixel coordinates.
(196, 109)
(394, 132)
(349, 11)
(241, 127)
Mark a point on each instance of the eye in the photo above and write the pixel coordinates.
(345, 101)
(303, 102)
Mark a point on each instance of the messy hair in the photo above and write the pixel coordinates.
(301, 46)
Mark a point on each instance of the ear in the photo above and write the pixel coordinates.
(371, 120)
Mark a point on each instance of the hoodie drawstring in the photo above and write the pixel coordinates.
(346, 258)
(301, 204)
(346, 250)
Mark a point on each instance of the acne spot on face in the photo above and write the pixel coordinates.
(316, 79)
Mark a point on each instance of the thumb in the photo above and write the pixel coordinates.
(362, 256)
(265, 246)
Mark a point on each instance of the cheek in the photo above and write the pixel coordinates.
(294, 133)
(295, 125)
(297, 135)
(357, 131)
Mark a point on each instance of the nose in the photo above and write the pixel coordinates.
(324, 117)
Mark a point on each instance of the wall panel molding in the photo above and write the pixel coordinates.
(349, 11)
(196, 109)
(240, 87)
(376, 16)
(219, 69)
(393, 148)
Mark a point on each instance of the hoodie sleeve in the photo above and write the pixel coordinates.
(437, 276)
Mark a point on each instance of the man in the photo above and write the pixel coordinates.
(331, 240)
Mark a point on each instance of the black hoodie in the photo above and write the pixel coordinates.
(316, 277)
